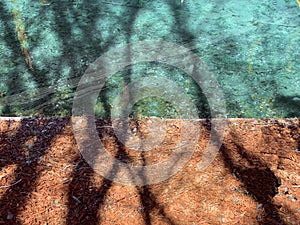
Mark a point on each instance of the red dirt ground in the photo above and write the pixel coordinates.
(254, 179)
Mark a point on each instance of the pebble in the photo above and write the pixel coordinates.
(9, 216)
(259, 206)
(293, 198)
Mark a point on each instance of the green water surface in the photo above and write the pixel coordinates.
(250, 46)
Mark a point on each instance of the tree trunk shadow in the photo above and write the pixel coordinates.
(258, 179)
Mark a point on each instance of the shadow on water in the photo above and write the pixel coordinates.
(289, 105)
(86, 210)
(14, 83)
(259, 180)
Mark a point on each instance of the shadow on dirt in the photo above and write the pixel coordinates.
(17, 151)
(259, 181)
(86, 209)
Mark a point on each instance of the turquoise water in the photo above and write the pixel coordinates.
(250, 47)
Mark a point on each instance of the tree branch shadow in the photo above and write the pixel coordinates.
(26, 173)
(86, 209)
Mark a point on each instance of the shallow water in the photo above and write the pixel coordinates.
(250, 48)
